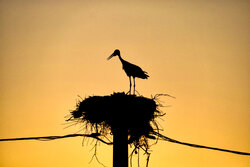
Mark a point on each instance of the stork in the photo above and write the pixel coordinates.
(130, 69)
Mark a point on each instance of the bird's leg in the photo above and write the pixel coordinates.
(129, 86)
(134, 85)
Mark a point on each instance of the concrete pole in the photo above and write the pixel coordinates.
(120, 147)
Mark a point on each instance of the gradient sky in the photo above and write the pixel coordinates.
(197, 51)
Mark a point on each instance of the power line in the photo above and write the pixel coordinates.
(96, 136)
(199, 146)
(48, 138)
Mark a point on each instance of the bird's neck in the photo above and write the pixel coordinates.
(120, 58)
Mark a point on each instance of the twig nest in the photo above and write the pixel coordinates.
(105, 113)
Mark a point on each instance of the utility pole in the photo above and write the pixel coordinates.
(120, 147)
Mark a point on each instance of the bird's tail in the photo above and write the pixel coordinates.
(145, 75)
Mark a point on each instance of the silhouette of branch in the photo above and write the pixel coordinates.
(48, 138)
(198, 146)
(95, 155)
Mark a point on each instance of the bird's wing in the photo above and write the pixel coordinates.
(134, 70)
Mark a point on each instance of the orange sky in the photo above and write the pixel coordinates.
(197, 51)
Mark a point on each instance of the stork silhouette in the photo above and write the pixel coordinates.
(130, 69)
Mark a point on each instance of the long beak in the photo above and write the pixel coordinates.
(110, 56)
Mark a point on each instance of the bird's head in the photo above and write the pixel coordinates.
(116, 52)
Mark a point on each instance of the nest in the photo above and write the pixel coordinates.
(102, 114)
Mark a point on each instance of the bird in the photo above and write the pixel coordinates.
(130, 69)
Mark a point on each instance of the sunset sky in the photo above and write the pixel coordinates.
(54, 50)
